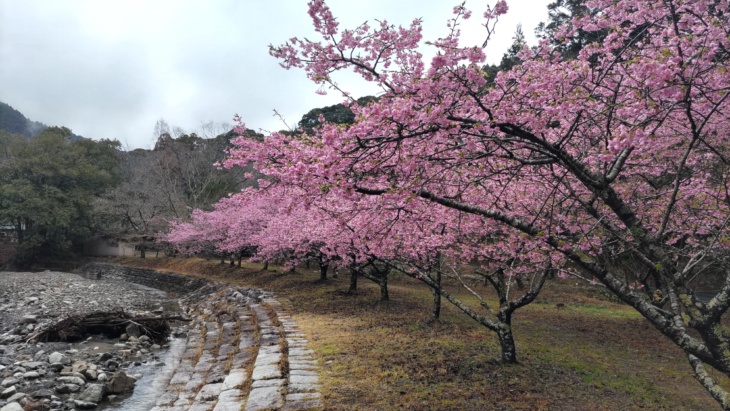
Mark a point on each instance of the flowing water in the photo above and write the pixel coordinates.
(154, 380)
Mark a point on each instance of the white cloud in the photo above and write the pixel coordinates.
(110, 69)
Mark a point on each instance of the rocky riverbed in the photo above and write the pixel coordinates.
(88, 374)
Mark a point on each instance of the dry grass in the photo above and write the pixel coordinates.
(591, 354)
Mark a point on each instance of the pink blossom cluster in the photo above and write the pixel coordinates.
(622, 153)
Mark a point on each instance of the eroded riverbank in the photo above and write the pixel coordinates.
(241, 351)
(74, 375)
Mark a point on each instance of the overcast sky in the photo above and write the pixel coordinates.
(112, 68)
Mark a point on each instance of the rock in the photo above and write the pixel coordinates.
(79, 367)
(120, 383)
(13, 406)
(8, 392)
(85, 405)
(17, 397)
(32, 365)
(134, 330)
(71, 380)
(28, 319)
(55, 367)
(9, 338)
(67, 388)
(8, 382)
(42, 394)
(91, 374)
(101, 377)
(92, 393)
(58, 358)
(31, 375)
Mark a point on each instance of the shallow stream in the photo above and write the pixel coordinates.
(155, 377)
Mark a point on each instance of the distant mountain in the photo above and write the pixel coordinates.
(15, 122)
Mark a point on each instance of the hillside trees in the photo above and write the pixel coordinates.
(47, 187)
(167, 183)
(14, 122)
(618, 154)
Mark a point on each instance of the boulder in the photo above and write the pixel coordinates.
(8, 392)
(92, 393)
(29, 319)
(120, 383)
(58, 358)
(8, 382)
(13, 406)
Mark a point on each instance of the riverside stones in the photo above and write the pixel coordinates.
(246, 335)
(8, 392)
(120, 383)
(59, 375)
(13, 406)
(58, 358)
(93, 393)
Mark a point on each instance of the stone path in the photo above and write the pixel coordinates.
(243, 353)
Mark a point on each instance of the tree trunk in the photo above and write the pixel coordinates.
(240, 256)
(437, 296)
(323, 266)
(266, 265)
(223, 259)
(384, 296)
(141, 251)
(353, 281)
(717, 392)
(506, 339)
(507, 342)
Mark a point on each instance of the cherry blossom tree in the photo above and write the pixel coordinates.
(615, 160)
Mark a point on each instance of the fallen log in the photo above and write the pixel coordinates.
(111, 324)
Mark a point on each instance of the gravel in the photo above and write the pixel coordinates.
(65, 376)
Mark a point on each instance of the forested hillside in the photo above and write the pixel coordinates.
(13, 121)
(58, 191)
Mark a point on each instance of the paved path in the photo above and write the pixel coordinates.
(243, 353)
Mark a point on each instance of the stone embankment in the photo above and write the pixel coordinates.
(242, 351)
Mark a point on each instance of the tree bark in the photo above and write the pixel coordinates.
(323, 266)
(266, 265)
(437, 296)
(718, 393)
(384, 296)
(141, 251)
(507, 343)
(353, 281)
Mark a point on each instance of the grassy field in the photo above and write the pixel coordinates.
(591, 354)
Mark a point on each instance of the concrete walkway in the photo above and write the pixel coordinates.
(243, 353)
